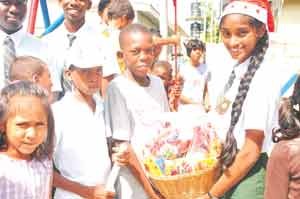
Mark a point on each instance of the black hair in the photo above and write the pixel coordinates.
(257, 56)
(194, 44)
(27, 88)
(289, 116)
(102, 5)
(24, 67)
(132, 28)
(155, 32)
(119, 8)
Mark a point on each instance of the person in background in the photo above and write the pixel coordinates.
(16, 41)
(31, 69)
(76, 32)
(196, 77)
(283, 166)
(102, 11)
(248, 105)
(26, 142)
(173, 87)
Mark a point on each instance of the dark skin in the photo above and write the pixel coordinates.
(12, 15)
(74, 13)
(138, 55)
(137, 52)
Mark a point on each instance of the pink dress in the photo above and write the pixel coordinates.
(25, 179)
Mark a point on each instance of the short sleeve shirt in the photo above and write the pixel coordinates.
(81, 151)
(130, 108)
(260, 108)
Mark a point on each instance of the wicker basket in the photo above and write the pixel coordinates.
(187, 186)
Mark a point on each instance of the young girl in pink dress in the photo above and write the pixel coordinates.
(26, 142)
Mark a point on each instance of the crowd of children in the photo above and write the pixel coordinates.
(69, 100)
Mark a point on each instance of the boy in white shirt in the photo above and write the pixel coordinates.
(81, 150)
(132, 99)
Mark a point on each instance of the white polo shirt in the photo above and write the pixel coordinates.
(81, 152)
(27, 45)
(260, 108)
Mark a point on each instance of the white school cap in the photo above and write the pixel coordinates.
(84, 57)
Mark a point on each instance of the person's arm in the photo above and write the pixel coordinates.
(206, 98)
(95, 192)
(174, 39)
(244, 161)
(277, 176)
(129, 158)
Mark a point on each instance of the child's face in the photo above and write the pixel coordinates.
(239, 37)
(196, 54)
(87, 81)
(138, 53)
(44, 80)
(74, 10)
(164, 74)
(26, 126)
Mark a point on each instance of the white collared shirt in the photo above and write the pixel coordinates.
(27, 44)
(260, 108)
(81, 151)
(86, 37)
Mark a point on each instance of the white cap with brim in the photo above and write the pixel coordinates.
(84, 58)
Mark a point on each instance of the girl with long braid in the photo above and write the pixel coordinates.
(283, 170)
(248, 102)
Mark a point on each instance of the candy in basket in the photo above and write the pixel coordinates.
(182, 160)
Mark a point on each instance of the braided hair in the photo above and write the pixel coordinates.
(230, 147)
(289, 117)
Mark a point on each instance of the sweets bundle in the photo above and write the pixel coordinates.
(182, 148)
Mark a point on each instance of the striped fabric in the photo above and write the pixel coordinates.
(22, 179)
(9, 55)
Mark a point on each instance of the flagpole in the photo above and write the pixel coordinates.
(175, 30)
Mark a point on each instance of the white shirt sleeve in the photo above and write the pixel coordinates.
(118, 120)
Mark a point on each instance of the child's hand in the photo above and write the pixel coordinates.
(122, 154)
(98, 192)
(174, 92)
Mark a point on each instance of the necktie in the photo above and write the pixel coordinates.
(222, 102)
(9, 55)
(67, 85)
(71, 38)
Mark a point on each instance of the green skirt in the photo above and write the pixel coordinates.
(251, 186)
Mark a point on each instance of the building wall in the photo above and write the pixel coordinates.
(290, 12)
